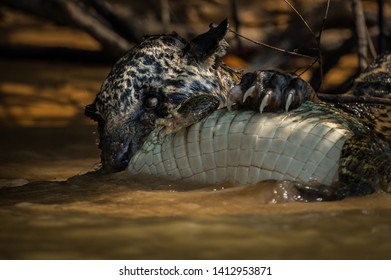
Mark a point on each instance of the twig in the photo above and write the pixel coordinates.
(326, 13)
(361, 34)
(308, 67)
(371, 46)
(301, 17)
(319, 59)
(381, 26)
(272, 47)
(235, 17)
(318, 40)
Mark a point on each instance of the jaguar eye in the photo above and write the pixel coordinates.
(152, 101)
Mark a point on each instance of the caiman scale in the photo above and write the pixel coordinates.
(167, 88)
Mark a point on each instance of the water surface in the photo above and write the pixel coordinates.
(89, 217)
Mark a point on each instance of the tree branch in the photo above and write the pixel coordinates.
(361, 30)
(71, 13)
(345, 98)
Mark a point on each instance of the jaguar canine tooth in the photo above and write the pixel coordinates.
(265, 102)
(288, 101)
(248, 93)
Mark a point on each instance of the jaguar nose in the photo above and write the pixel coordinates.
(115, 157)
(121, 160)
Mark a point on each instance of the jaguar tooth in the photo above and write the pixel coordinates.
(248, 93)
(264, 103)
(288, 101)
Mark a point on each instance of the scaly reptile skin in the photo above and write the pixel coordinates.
(246, 147)
(312, 144)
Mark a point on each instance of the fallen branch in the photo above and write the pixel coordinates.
(87, 17)
(345, 98)
(361, 30)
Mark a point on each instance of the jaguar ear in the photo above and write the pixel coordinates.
(209, 44)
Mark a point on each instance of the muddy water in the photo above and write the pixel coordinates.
(53, 207)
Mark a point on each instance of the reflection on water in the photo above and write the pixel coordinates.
(128, 217)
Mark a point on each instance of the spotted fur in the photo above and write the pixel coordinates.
(375, 81)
